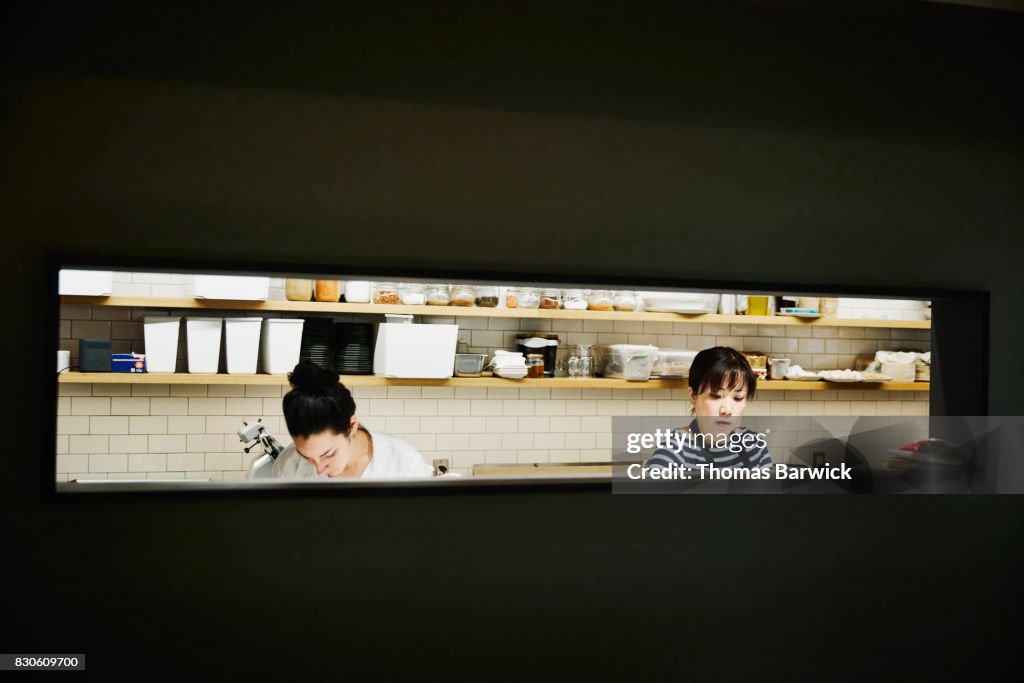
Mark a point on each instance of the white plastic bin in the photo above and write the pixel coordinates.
(203, 338)
(418, 351)
(234, 287)
(243, 344)
(161, 334)
(282, 342)
(85, 282)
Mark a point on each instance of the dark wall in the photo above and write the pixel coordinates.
(882, 147)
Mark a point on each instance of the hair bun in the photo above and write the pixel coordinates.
(309, 376)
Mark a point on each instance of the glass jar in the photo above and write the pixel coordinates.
(411, 294)
(624, 301)
(574, 300)
(463, 295)
(298, 290)
(550, 298)
(385, 293)
(600, 300)
(437, 295)
(487, 296)
(529, 297)
(535, 365)
(328, 290)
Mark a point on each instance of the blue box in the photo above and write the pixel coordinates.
(128, 362)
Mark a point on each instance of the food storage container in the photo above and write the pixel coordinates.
(779, 367)
(550, 298)
(242, 344)
(487, 296)
(535, 365)
(357, 292)
(600, 300)
(298, 289)
(673, 363)
(758, 363)
(574, 300)
(234, 287)
(202, 337)
(630, 361)
(385, 293)
(282, 343)
(437, 295)
(469, 364)
(412, 294)
(624, 301)
(328, 290)
(463, 295)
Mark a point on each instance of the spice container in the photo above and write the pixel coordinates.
(328, 290)
(463, 295)
(385, 293)
(437, 295)
(600, 300)
(534, 365)
(298, 290)
(550, 298)
(529, 297)
(357, 292)
(512, 296)
(624, 301)
(411, 294)
(574, 300)
(487, 296)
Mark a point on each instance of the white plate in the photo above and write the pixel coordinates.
(689, 310)
(805, 378)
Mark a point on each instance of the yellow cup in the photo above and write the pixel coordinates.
(757, 305)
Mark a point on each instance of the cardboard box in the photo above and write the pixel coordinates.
(128, 362)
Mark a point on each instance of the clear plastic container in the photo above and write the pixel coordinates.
(624, 301)
(630, 361)
(512, 297)
(574, 300)
(673, 363)
(328, 290)
(463, 295)
(437, 295)
(385, 293)
(550, 298)
(411, 294)
(298, 289)
(600, 300)
(486, 296)
(529, 297)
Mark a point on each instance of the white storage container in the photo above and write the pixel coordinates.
(161, 335)
(85, 282)
(202, 335)
(630, 361)
(673, 363)
(282, 342)
(243, 344)
(234, 287)
(418, 351)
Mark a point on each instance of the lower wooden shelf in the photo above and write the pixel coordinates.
(547, 382)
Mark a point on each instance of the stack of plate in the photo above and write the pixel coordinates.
(353, 348)
(316, 341)
(922, 372)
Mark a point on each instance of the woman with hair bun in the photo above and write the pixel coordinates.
(327, 439)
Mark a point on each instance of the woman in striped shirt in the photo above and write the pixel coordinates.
(721, 387)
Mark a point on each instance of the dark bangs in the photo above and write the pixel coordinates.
(722, 368)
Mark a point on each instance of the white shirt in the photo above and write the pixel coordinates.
(393, 458)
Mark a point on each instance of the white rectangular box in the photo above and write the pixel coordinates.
(202, 335)
(282, 342)
(417, 351)
(242, 337)
(234, 287)
(85, 282)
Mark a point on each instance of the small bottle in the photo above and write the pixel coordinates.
(534, 365)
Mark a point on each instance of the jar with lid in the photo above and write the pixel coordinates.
(534, 365)
(328, 290)
(574, 300)
(463, 295)
(385, 293)
(529, 297)
(437, 295)
(550, 298)
(599, 300)
(624, 301)
(298, 290)
(411, 293)
(512, 297)
(486, 296)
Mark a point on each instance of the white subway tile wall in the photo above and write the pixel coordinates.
(186, 431)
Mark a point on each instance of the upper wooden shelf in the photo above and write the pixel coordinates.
(473, 311)
(546, 383)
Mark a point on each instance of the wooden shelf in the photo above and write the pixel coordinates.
(547, 382)
(473, 311)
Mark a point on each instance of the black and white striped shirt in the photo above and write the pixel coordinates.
(689, 452)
